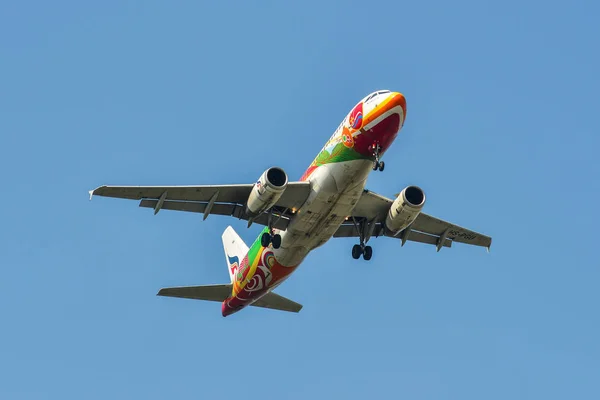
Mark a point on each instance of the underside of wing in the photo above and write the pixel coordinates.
(281, 217)
(369, 216)
(435, 226)
(229, 200)
(293, 197)
(349, 230)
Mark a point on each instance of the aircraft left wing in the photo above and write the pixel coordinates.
(227, 200)
(369, 219)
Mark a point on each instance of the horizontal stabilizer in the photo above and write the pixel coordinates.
(277, 302)
(221, 292)
(207, 292)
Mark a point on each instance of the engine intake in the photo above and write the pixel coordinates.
(266, 191)
(405, 209)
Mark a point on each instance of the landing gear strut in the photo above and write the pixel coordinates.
(362, 249)
(378, 165)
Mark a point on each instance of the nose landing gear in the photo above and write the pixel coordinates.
(378, 165)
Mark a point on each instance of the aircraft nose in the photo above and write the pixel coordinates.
(398, 100)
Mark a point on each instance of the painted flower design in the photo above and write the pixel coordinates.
(347, 138)
(356, 117)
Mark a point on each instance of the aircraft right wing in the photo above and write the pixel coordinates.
(369, 219)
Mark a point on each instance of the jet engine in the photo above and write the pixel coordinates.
(405, 209)
(266, 191)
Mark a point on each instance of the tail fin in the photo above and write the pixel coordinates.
(235, 250)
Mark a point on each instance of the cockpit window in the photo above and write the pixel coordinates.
(375, 94)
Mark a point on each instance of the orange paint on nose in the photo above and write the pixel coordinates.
(398, 99)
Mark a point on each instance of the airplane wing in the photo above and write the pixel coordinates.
(227, 200)
(369, 217)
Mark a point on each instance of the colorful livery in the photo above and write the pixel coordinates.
(328, 201)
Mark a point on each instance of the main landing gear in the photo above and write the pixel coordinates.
(379, 165)
(268, 238)
(364, 229)
(361, 249)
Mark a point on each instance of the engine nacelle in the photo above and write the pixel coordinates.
(266, 191)
(405, 209)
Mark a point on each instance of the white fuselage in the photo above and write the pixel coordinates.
(335, 190)
(337, 178)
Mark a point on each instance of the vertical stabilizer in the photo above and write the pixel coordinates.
(235, 250)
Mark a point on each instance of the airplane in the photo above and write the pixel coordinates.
(328, 201)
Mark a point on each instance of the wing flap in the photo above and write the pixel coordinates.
(435, 226)
(233, 210)
(413, 236)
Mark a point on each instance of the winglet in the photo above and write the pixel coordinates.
(93, 191)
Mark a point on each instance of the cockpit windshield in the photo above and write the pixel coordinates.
(372, 95)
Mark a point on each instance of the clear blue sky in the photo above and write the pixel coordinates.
(502, 134)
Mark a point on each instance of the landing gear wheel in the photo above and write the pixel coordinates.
(276, 241)
(356, 251)
(379, 165)
(367, 253)
(265, 239)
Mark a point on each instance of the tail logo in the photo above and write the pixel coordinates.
(234, 264)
